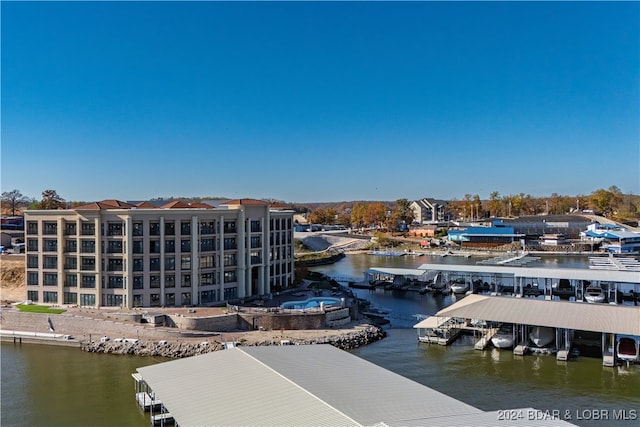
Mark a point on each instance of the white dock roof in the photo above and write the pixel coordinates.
(541, 272)
(556, 314)
(397, 271)
(309, 385)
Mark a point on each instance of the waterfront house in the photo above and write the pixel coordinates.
(118, 254)
(430, 211)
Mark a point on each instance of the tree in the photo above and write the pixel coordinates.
(495, 204)
(404, 212)
(14, 199)
(51, 200)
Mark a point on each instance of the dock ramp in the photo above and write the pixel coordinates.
(485, 340)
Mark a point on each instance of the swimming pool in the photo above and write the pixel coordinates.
(310, 303)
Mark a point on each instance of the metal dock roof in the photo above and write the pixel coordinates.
(307, 385)
(620, 276)
(556, 314)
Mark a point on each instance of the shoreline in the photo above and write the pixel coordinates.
(103, 334)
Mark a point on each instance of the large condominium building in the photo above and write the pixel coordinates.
(117, 254)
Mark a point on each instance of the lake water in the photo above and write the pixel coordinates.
(49, 385)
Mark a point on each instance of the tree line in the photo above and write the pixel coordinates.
(611, 203)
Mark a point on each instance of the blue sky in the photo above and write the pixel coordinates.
(319, 101)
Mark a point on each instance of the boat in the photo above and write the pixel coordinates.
(594, 294)
(563, 289)
(504, 337)
(438, 283)
(628, 349)
(542, 335)
(459, 286)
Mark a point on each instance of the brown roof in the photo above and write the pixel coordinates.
(279, 205)
(105, 204)
(146, 205)
(254, 202)
(177, 204)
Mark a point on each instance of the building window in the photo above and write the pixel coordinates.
(32, 261)
(185, 262)
(207, 261)
(114, 247)
(50, 261)
(230, 293)
(33, 278)
(32, 245)
(88, 229)
(155, 300)
(32, 295)
(186, 281)
(113, 300)
(138, 282)
(70, 263)
(137, 300)
(170, 299)
(207, 227)
(87, 300)
(256, 227)
(169, 246)
(115, 282)
(206, 245)
(230, 276)
(170, 281)
(70, 246)
(169, 263)
(50, 279)
(169, 228)
(138, 229)
(185, 228)
(87, 246)
(154, 246)
(207, 297)
(49, 227)
(154, 228)
(230, 260)
(115, 229)
(50, 297)
(50, 245)
(256, 257)
(154, 264)
(70, 298)
(88, 281)
(229, 227)
(138, 264)
(186, 298)
(116, 264)
(256, 242)
(154, 282)
(185, 245)
(32, 227)
(207, 279)
(71, 280)
(230, 243)
(138, 247)
(88, 263)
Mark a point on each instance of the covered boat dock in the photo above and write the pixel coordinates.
(564, 317)
(541, 281)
